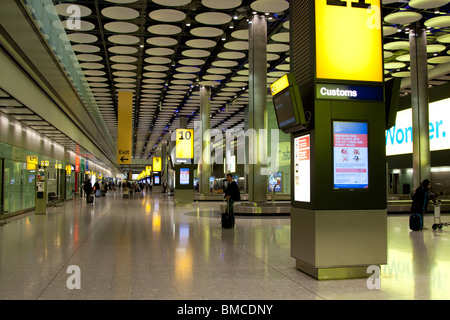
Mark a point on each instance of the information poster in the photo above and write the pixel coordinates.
(302, 169)
(351, 169)
(184, 176)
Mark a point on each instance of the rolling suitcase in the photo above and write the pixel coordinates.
(227, 218)
(90, 199)
(98, 193)
(415, 222)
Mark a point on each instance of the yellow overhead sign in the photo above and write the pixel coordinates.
(349, 40)
(184, 147)
(32, 161)
(157, 164)
(148, 170)
(124, 127)
(279, 85)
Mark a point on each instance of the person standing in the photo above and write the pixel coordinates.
(420, 198)
(87, 188)
(232, 194)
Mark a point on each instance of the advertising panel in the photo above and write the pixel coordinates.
(302, 169)
(350, 145)
(399, 138)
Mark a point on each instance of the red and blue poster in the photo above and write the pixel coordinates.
(350, 144)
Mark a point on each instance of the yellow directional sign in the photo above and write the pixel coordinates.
(124, 127)
(157, 164)
(32, 161)
(349, 40)
(184, 145)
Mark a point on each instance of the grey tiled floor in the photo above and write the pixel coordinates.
(148, 248)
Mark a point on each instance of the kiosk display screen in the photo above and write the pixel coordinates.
(157, 180)
(184, 176)
(302, 169)
(284, 109)
(350, 152)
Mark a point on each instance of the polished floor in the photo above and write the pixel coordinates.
(145, 247)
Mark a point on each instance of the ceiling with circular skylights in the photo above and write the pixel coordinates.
(161, 50)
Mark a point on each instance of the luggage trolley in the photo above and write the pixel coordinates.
(437, 216)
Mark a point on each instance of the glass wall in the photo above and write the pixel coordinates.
(18, 186)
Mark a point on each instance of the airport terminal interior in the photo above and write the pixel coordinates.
(154, 102)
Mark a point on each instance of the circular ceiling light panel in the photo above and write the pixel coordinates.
(125, 85)
(155, 75)
(196, 53)
(401, 74)
(167, 15)
(281, 37)
(276, 47)
(157, 60)
(185, 76)
(209, 83)
(162, 41)
(122, 50)
(439, 60)
(394, 65)
(172, 3)
(240, 78)
(84, 26)
(272, 56)
(236, 84)
(154, 81)
(404, 58)
(121, 27)
(159, 51)
(125, 80)
(241, 34)
(123, 66)
(388, 31)
(403, 17)
(89, 57)
(188, 69)
(444, 39)
(221, 4)
(206, 32)
(213, 18)
(120, 13)
(231, 55)
(283, 67)
(438, 22)
(396, 45)
(164, 29)
(96, 79)
(123, 59)
(90, 65)
(236, 45)
(63, 10)
(219, 70)
(156, 68)
(432, 48)
(215, 77)
(427, 4)
(94, 73)
(82, 37)
(225, 63)
(124, 74)
(122, 1)
(191, 62)
(270, 6)
(123, 39)
(201, 43)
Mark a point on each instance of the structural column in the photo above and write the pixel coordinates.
(419, 103)
(204, 168)
(257, 183)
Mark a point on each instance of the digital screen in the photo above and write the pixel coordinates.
(350, 145)
(284, 109)
(184, 176)
(399, 138)
(302, 169)
(275, 181)
(157, 180)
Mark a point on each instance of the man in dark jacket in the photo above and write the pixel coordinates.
(87, 188)
(232, 194)
(421, 197)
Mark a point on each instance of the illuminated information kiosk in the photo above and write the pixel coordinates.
(184, 167)
(333, 104)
